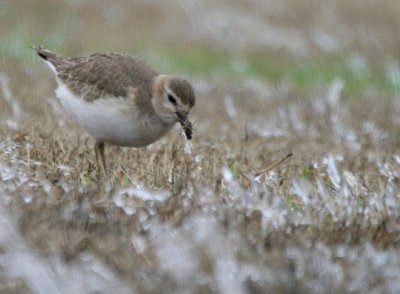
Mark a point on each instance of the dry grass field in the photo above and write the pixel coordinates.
(318, 79)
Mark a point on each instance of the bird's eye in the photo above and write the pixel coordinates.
(171, 99)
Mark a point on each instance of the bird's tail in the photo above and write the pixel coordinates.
(51, 57)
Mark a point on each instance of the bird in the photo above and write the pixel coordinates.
(118, 99)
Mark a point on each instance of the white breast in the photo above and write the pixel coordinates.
(110, 120)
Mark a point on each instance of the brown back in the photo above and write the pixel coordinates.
(105, 74)
(101, 74)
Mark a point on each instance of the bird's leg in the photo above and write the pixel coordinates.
(101, 162)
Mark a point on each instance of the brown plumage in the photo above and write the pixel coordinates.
(119, 99)
(100, 74)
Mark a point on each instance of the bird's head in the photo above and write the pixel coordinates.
(172, 100)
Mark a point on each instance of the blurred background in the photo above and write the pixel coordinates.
(320, 79)
(304, 43)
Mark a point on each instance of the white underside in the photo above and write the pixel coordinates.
(108, 120)
(51, 66)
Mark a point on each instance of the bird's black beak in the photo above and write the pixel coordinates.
(186, 124)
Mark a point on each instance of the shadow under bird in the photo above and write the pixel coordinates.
(119, 99)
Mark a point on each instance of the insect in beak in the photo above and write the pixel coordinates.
(186, 125)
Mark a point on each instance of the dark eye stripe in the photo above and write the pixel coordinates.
(171, 99)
